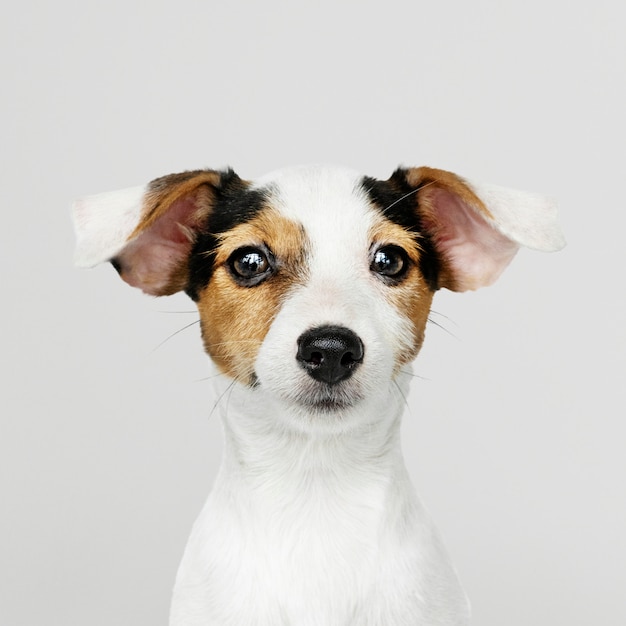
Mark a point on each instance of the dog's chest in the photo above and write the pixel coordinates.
(318, 534)
(314, 554)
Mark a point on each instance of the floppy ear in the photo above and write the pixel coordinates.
(477, 229)
(146, 232)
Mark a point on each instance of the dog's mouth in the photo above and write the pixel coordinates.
(323, 398)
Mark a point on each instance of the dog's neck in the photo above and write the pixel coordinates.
(271, 445)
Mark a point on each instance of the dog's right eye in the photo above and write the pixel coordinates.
(250, 266)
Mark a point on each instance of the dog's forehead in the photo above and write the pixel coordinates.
(327, 201)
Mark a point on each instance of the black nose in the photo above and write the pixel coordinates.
(330, 353)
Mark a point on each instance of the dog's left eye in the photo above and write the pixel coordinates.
(250, 266)
(390, 262)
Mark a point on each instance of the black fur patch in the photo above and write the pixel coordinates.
(117, 265)
(235, 203)
(397, 201)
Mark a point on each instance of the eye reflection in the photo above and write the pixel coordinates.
(249, 266)
(389, 261)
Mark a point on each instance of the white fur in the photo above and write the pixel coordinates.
(314, 528)
(104, 222)
(535, 227)
(313, 520)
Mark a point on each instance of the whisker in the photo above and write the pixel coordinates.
(414, 375)
(202, 380)
(230, 393)
(410, 193)
(236, 342)
(221, 396)
(180, 330)
(185, 312)
(406, 403)
(449, 319)
(434, 323)
(406, 195)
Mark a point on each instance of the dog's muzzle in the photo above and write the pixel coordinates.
(330, 354)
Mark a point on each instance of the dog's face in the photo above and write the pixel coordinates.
(313, 284)
(315, 294)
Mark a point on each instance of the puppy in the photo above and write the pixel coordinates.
(313, 286)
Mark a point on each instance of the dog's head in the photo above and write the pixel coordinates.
(312, 283)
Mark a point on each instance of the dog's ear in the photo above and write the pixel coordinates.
(477, 229)
(146, 232)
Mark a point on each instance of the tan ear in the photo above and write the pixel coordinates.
(146, 232)
(477, 229)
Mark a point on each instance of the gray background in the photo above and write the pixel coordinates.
(516, 435)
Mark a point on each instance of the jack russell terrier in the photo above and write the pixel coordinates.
(313, 286)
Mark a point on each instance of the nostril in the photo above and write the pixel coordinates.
(330, 353)
(348, 360)
(316, 358)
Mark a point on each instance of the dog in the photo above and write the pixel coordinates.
(313, 286)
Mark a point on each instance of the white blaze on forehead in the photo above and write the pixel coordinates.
(333, 209)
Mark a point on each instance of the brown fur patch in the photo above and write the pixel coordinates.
(235, 319)
(164, 191)
(429, 178)
(411, 297)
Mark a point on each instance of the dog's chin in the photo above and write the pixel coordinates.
(328, 400)
(327, 406)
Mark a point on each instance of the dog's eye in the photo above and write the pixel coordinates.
(390, 262)
(250, 266)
